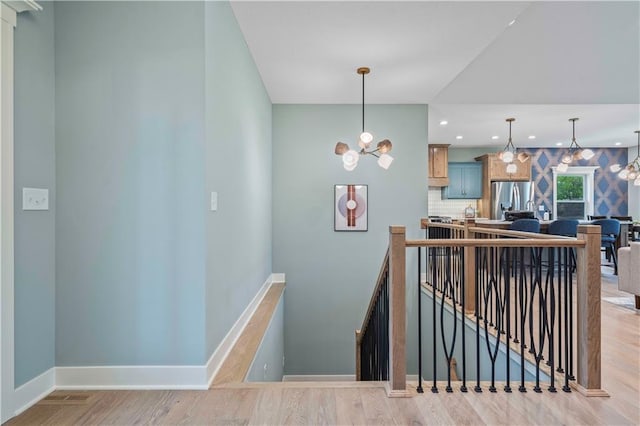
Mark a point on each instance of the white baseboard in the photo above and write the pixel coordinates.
(196, 377)
(221, 352)
(132, 377)
(319, 378)
(34, 390)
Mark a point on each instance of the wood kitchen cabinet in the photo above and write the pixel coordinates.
(465, 181)
(494, 169)
(497, 169)
(438, 165)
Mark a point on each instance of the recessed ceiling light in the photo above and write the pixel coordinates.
(532, 136)
(558, 143)
(458, 137)
(618, 143)
(444, 122)
(495, 137)
(512, 22)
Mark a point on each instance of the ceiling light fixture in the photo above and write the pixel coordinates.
(508, 154)
(532, 136)
(631, 172)
(458, 137)
(351, 157)
(575, 151)
(559, 144)
(444, 122)
(495, 137)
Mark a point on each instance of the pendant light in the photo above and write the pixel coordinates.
(508, 154)
(575, 151)
(631, 172)
(350, 157)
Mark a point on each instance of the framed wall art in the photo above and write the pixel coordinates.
(350, 210)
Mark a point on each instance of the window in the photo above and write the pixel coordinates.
(573, 193)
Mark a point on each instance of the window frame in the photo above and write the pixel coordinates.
(588, 174)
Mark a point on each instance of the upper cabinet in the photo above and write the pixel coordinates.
(496, 169)
(465, 181)
(438, 164)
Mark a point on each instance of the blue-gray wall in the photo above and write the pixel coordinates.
(130, 246)
(331, 275)
(268, 362)
(34, 166)
(238, 168)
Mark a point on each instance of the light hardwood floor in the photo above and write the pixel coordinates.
(366, 403)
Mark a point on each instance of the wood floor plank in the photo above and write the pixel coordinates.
(293, 410)
(405, 411)
(349, 409)
(267, 408)
(180, 408)
(376, 407)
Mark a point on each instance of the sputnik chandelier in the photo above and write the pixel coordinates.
(575, 151)
(630, 172)
(350, 157)
(508, 154)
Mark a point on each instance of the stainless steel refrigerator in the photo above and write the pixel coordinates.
(513, 196)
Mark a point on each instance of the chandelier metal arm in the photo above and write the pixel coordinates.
(350, 156)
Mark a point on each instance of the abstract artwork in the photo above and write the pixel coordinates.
(350, 208)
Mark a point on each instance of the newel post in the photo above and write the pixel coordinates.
(469, 269)
(397, 385)
(588, 315)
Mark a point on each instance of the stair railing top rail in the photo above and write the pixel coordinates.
(426, 223)
(498, 242)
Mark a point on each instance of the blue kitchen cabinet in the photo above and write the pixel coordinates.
(465, 181)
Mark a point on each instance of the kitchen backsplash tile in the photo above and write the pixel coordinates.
(453, 208)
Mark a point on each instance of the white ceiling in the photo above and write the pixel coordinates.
(558, 60)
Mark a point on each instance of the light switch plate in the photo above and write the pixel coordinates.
(214, 201)
(541, 208)
(35, 199)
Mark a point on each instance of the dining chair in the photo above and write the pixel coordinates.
(632, 235)
(609, 229)
(565, 228)
(525, 225)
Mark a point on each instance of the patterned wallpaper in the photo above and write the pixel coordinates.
(610, 196)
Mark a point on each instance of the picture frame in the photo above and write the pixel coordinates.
(350, 208)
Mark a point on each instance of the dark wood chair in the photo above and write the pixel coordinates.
(632, 235)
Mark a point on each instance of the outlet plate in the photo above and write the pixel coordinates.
(35, 199)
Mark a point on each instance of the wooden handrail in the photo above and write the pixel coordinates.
(425, 223)
(517, 234)
(497, 242)
(383, 269)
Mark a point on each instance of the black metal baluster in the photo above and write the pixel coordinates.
(434, 388)
(507, 296)
(419, 388)
(480, 255)
(552, 316)
(463, 284)
(523, 306)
